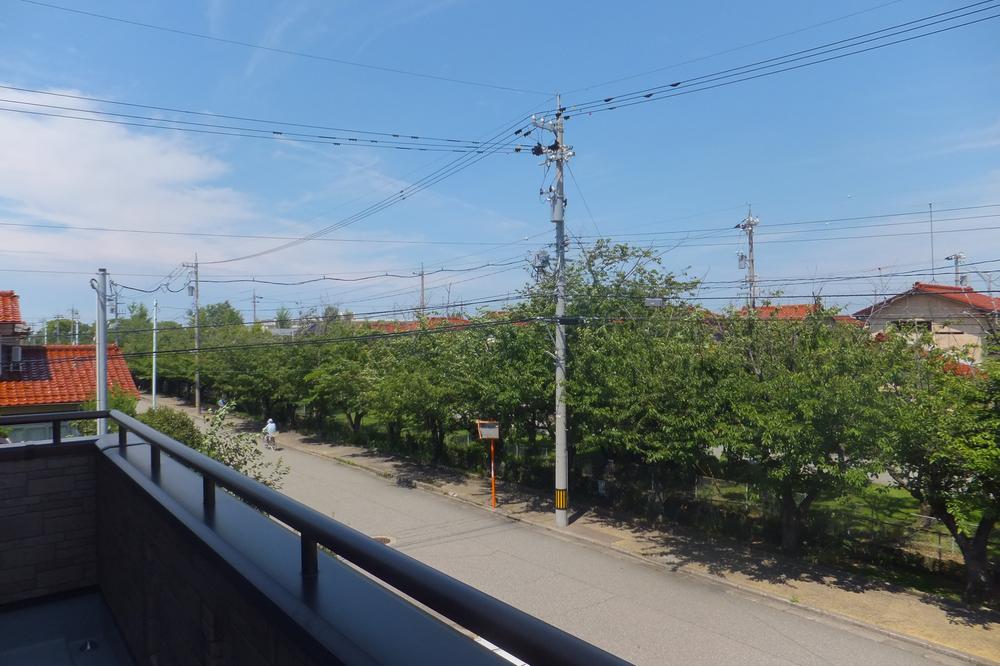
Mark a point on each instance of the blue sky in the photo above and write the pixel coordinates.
(884, 132)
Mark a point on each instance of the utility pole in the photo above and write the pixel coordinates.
(559, 153)
(748, 225)
(930, 211)
(423, 301)
(76, 326)
(156, 310)
(100, 285)
(957, 257)
(193, 291)
(254, 300)
(45, 331)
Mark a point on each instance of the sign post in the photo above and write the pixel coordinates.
(490, 430)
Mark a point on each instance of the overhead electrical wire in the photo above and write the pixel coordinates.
(777, 64)
(271, 136)
(499, 141)
(735, 48)
(272, 49)
(223, 116)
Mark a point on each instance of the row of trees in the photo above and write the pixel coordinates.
(801, 409)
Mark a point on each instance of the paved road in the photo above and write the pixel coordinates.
(638, 611)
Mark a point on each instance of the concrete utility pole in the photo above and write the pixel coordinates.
(156, 309)
(748, 225)
(254, 299)
(930, 215)
(100, 285)
(193, 291)
(559, 153)
(45, 331)
(76, 326)
(957, 258)
(423, 301)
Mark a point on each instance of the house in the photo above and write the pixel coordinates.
(798, 312)
(48, 378)
(958, 317)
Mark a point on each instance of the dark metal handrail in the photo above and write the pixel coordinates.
(526, 636)
(55, 418)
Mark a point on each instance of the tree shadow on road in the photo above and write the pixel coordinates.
(677, 546)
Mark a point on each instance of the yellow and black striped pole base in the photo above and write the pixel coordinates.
(562, 499)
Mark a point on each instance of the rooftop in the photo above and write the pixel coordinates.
(10, 308)
(958, 294)
(61, 374)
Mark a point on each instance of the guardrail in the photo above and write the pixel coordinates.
(525, 636)
(56, 418)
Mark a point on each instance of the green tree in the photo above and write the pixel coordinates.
(946, 450)
(239, 450)
(173, 423)
(798, 407)
(341, 381)
(283, 318)
(118, 398)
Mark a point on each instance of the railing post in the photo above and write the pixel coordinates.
(57, 432)
(154, 461)
(122, 439)
(208, 496)
(310, 565)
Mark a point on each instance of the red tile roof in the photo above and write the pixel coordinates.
(784, 311)
(10, 308)
(405, 326)
(964, 295)
(60, 375)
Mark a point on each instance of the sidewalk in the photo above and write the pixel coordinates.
(916, 617)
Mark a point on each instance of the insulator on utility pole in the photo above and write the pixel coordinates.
(558, 152)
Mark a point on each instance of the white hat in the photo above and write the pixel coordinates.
(270, 420)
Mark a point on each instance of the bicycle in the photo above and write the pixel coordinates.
(269, 442)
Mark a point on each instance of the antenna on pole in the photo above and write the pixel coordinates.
(748, 225)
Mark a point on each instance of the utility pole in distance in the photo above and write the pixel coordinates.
(156, 310)
(957, 257)
(748, 225)
(559, 153)
(193, 291)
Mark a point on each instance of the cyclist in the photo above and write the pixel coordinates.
(269, 430)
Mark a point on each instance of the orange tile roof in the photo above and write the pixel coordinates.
(406, 326)
(60, 375)
(10, 308)
(964, 295)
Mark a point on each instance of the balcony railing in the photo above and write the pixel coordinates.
(515, 631)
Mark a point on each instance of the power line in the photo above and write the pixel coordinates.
(498, 141)
(272, 136)
(222, 116)
(735, 48)
(718, 79)
(271, 49)
(203, 234)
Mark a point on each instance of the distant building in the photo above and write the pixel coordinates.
(798, 312)
(49, 378)
(958, 317)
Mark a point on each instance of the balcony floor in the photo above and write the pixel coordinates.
(56, 633)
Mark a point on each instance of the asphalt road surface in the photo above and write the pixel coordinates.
(638, 611)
